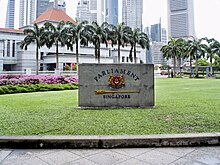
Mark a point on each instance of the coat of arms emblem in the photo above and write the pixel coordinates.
(116, 81)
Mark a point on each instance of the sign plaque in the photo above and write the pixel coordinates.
(116, 85)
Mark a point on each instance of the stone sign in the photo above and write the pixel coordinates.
(116, 85)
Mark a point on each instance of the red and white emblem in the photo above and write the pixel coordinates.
(116, 81)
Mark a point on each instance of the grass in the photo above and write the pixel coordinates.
(182, 106)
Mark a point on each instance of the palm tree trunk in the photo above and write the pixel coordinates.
(77, 52)
(211, 70)
(37, 60)
(119, 53)
(179, 63)
(99, 54)
(96, 52)
(130, 54)
(135, 55)
(57, 59)
(77, 57)
(190, 64)
(174, 66)
(197, 68)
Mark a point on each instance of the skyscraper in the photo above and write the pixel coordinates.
(155, 32)
(91, 10)
(31, 9)
(181, 18)
(27, 13)
(111, 11)
(9, 23)
(43, 5)
(164, 35)
(132, 13)
(83, 12)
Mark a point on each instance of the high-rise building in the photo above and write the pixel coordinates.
(157, 55)
(91, 10)
(164, 35)
(155, 32)
(181, 18)
(83, 12)
(43, 5)
(111, 11)
(9, 23)
(27, 13)
(132, 13)
(31, 9)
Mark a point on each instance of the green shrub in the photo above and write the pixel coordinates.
(8, 89)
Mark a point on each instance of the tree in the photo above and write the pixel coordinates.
(97, 34)
(194, 50)
(173, 49)
(138, 37)
(34, 35)
(182, 55)
(75, 35)
(203, 62)
(211, 47)
(55, 35)
(119, 35)
(217, 61)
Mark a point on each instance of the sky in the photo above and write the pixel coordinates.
(206, 13)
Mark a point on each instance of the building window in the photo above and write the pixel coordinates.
(8, 48)
(3, 49)
(127, 59)
(110, 53)
(41, 67)
(13, 48)
(41, 55)
(123, 59)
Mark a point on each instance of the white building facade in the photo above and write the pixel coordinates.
(13, 58)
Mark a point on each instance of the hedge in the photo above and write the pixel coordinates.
(9, 89)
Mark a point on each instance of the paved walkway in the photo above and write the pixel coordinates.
(134, 156)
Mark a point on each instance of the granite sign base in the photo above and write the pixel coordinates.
(105, 86)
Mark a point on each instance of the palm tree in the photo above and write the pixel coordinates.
(34, 35)
(119, 35)
(55, 35)
(75, 34)
(211, 47)
(98, 34)
(182, 55)
(194, 50)
(138, 37)
(173, 49)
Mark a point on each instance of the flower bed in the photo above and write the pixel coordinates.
(35, 83)
(35, 79)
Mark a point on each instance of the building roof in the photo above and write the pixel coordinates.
(55, 15)
(11, 30)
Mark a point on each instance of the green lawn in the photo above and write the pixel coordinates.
(182, 106)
